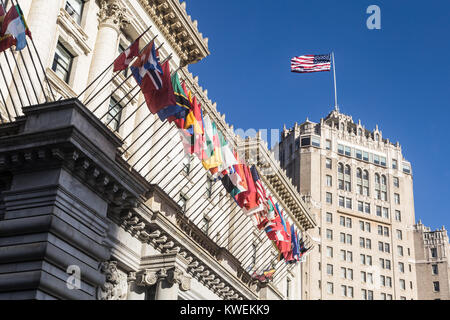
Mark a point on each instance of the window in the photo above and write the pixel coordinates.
(436, 286)
(398, 215)
(378, 211)
(349, 256)
(358, 154)
(329, 234)
(315, 141)
(406, 168)
(388, 264)
(363, 276)
(399, 235)
(396, 198)
(343, 255)
(340, 176)
(328, 163)
(363, 259)
(350, 274)
(367, 208)
(433, 252)
(350, 292)
(394, 164)
(369, 295)
(366, 183)
(362, 242)
(348, 151)
(386, 213)
(329, 217)
(401, 267)
(348, 203)
(386, 231)
(369, 260)
(329, 198)
(344, 290)
(360, 206)
(382, 280)
(329, 252)
(330, 288)
(329, 181)
(343, 273)
(402, 284)
(348, 222)
(114, 114)
(361, 225)
(434, 269)
(387, 248)
(396, 182)
(340, 149)
(383, 161)
(368, 226)
(347, 178)
(400, 250)
(368, 244)
(342, 221)
(342, 237)
(75, 9)
(349, 239)
(328, 144)
(365, 156)
(364, 294)
(341, 201)
(380, 230)
(62, 62)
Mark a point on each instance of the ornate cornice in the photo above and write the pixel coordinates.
(177, 26)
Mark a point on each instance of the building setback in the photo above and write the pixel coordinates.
(361, 188)
(97, 199)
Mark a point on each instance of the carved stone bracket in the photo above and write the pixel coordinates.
(116, 285)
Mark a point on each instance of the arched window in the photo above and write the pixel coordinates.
(359, 184)
(340, 176)
(377, 137)
(377, 187)
(383, 188)
(366, 183)
(347, 178)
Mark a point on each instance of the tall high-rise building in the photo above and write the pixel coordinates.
(361, 190)
(432, 265)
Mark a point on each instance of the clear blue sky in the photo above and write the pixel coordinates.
(397, 77)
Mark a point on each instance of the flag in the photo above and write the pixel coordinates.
(228, 158)
(181, 107)
(124, 59)
(8, 40)
(147, 71)
(295, 244)
(311, 63)
(194, 118)
(157, 100)
(212, 157)
(14, 25)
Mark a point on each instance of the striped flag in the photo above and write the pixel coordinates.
(311, 63)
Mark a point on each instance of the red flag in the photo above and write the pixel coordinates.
(159, 99)
(124, 59)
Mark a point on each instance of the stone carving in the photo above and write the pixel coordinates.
(113, 14)
(116, 285)
(176, 275)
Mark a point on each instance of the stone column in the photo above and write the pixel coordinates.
(112, 17)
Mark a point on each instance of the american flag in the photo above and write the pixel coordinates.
(311, 63)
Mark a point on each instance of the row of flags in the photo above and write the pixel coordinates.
(13, 29)
(169, 98)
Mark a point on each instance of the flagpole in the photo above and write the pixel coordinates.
(336, 107)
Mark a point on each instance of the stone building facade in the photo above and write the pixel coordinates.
(100, 202)
(361, 187)
(432, 265)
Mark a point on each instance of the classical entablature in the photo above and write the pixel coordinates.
(171, 18)
(277, 182)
